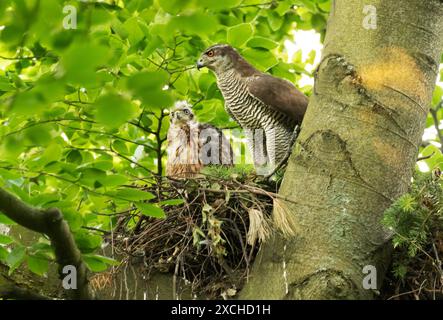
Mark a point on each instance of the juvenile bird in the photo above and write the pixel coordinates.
(193, 145)
(269, 108)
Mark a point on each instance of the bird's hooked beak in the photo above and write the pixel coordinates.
(200, 64)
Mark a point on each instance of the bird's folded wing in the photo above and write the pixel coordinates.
(278, 94)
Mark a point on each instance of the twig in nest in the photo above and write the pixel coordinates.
(251, 190)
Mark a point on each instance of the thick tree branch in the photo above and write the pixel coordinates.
(17, 293)
(51, 223)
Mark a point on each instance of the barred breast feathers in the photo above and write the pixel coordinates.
(246, 109)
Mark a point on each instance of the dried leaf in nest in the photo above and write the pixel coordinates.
(284, 220)
(163, 265)
(228, 294)
(258, 226)
(100, 281)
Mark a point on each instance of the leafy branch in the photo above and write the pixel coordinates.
(51, 223)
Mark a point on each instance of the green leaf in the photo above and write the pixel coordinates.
(239, 34)
(113, 180)
(11, 147)
(15, 258)
(311, 57)
(196, 23)
(38, 265)
(262, 42)
(135, 34)
(113, 110)
(275, 21)
(120, 147)
(318, 21)
(94, 264)
(92, 174)
(149, 87)
(325, 6)
(5, 84)
(172, 202)
(45, 198)
(74, 156)
(104, 165)
(5, 239)
(81, 60)
(9, 175)
(261, 58)
(154, 43)
(3, 254)
(107, 260)
(74, 219)
(97, 263)
(53, 152)
(173, 6)
(28, 102)
(283, 7)
(150, 210)
(147, 80)
(86, 241)
(131, 194)
(42, 249)
(437, 96)
(39, 135)
(158, 99)
(5, 220)
(436, 160)
(309, 4)
(119, 29)
(225, 4)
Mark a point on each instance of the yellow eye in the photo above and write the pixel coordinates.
(210, 53)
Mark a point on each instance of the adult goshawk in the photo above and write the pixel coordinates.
(269, 108)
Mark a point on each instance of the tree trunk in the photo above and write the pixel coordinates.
(356, 151)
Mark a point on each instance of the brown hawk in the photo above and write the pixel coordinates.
(193, 145)
(269, 108)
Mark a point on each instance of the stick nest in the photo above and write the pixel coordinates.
(209, 237)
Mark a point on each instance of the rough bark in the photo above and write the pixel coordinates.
(356, 150)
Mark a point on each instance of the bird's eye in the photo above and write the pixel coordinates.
(186, 111)
(210, 53)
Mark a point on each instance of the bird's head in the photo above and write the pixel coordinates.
(219, 58)
(181, 113)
